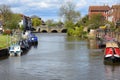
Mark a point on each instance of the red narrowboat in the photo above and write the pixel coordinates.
(112, 52)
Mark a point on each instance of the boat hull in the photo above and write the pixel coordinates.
(112, 53)
(15, 54)
(112, 59)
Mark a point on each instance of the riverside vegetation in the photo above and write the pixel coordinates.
(4, 41)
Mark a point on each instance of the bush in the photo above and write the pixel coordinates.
(77, 31)
(70, 31)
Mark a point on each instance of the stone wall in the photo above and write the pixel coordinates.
(3, 52)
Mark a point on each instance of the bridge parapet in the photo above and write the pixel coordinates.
(48, 29)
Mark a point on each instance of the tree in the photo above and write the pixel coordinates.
(84, 21)
(6, 13)
(67, 11)
(13, 23)
(34, 16)
(96, 21)
(59, 23)
(36, 22)
(69, 24)
(51, 22)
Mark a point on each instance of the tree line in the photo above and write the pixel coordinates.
(8, 18)
(75, 24)
(71, 19)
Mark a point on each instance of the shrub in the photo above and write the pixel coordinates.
(77, 31)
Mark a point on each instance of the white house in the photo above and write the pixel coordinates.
(21, 23)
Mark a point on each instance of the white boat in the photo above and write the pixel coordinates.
(15, 50)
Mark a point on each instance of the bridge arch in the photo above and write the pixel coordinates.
(54, 31)
(38, 29)
(44, 31)
(64, 31)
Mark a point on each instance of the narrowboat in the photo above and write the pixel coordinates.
(112, 52)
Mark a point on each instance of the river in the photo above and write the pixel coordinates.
(58, 57)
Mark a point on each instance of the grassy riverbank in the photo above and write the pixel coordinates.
(4, 41)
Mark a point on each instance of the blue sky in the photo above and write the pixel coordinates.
(49, 9)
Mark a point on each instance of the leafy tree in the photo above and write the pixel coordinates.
(6, 13)
(34, 16)
(84, 21)
(67, 11)
(71, 16)
(59, 23)
(13, 23)
(51, 23)
(69, 24)
(96, 20)
(10, 20)
(36, 22)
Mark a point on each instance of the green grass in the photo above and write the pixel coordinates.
(4, 41)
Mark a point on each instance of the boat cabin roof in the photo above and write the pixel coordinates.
(111, 44)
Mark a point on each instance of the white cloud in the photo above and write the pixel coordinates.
(37, 6)
(40, 3)
(18, 9)
(81, 3)
(102, 2)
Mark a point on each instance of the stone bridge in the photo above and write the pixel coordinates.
(46, 29)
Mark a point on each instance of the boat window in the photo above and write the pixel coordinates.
(12, 48)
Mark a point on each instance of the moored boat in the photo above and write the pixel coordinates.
(112, 52)
(24, 45)
(15, 50)
(33, 39)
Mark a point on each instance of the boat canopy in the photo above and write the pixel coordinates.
(111, 44)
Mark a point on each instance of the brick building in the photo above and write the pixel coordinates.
(110, 13)
(99, 10)
(114, 13)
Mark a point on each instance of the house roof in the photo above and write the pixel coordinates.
(105, 8)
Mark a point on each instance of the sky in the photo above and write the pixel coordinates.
(49, 9)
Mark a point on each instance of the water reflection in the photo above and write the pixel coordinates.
(73, 39)
(15, 61)
(112, 72)
(93, 44)
(75, 43)
(35, 45)
(3, 58)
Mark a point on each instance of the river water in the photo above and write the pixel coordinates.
(58, 57)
